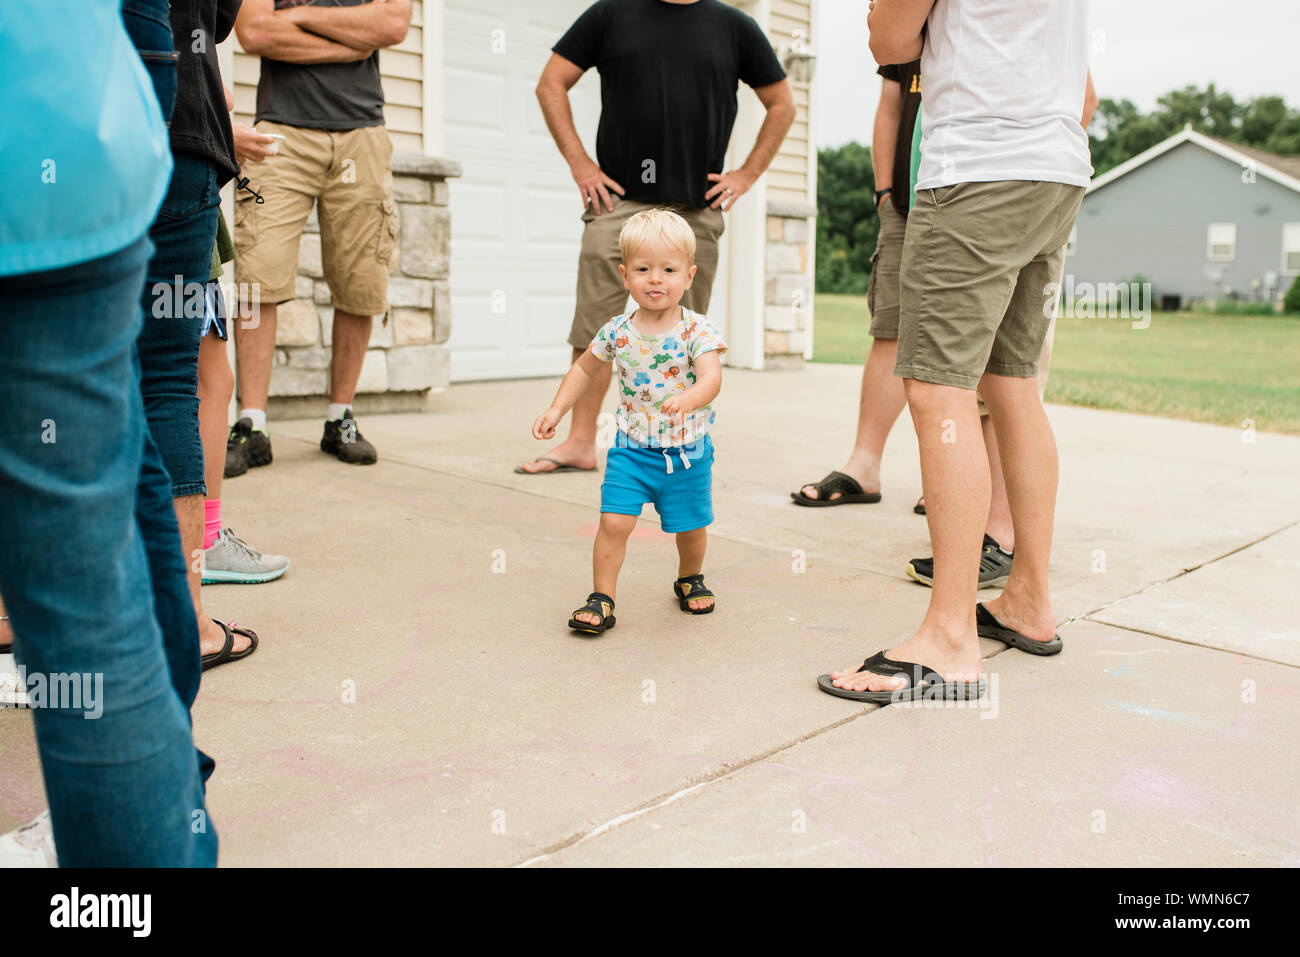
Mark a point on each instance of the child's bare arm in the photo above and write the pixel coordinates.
(574, 384)
(708, 383)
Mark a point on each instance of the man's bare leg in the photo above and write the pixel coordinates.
(579, 449)
(955, 477)
(607, 556)
(880, 401)
(254, 352)
(999, 525)
(351, 338)
(1029, 462)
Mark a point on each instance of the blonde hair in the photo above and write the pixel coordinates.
(657, 225)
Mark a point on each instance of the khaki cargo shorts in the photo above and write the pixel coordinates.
(350, 174)
(979, 264)
(601, 294)
(883, 288)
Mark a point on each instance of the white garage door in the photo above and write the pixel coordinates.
(516, 223)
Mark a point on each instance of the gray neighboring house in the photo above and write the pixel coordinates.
(1200, 218)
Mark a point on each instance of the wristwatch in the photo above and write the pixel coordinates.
(880, 193)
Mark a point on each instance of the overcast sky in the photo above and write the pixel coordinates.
(1145, 48)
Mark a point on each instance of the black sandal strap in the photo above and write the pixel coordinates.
(915, 672)
(595, 604)
(697, 587)
(836, 481)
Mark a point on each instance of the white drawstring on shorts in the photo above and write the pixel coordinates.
(668, 459)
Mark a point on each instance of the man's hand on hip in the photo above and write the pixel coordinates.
(729, 187)
(595, 186)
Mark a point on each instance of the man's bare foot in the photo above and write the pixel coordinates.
(954, 664)
(212, 639)
(862, 471)
(1030, 619)
(582, 457)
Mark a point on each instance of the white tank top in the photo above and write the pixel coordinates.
(1004, 89)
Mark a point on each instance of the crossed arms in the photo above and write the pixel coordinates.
(308, 34)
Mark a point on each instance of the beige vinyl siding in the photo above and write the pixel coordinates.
(787, 178)
(401, 70)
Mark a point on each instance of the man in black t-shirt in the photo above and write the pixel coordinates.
(669, 72)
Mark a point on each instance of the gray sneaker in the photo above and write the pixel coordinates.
(31, 845)
(13, 692)
(231, 560)
(995, 567)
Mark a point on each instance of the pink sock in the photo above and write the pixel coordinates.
(211, 521)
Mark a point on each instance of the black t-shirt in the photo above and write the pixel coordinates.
(668, 79)
(200, 123)
(907, 75)
(321, 96)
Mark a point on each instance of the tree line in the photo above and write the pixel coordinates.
(847, 224)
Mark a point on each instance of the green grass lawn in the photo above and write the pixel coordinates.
(1221, 369)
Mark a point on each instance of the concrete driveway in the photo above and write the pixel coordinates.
(418, 700)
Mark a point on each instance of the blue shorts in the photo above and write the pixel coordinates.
(636, 474)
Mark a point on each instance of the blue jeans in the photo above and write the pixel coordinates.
(174, 300)
(149, 26)
(91, 571)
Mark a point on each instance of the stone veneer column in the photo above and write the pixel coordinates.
(789, 283)
(408, 353)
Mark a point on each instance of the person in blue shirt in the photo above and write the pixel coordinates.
(90, 572)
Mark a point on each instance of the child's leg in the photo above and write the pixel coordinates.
(690, 558)
(607, 555)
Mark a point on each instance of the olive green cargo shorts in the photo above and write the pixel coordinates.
(980, 266)
(883, 287)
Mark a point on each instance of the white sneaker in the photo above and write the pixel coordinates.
(30, 846)
(13, 693)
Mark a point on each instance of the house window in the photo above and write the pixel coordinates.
(1072, 244)
(1221, 243)
(1291, 249)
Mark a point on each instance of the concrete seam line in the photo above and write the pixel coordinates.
(1186, 571)
(1196, 644)
(663, 800)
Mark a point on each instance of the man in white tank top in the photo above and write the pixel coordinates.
(1004, 165)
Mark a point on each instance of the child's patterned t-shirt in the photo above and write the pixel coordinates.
(651, 368)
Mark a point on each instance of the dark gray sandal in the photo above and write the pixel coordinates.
(990, 627)
(922, 683)
(559, 467)
(226, 655)
(850, 492)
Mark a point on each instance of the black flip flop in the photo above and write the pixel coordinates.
(923, 683)
(919, 507)
(596, 603)
(690, 587)
(225, 655)
(559, 467)
(850, 492)
(990, 627)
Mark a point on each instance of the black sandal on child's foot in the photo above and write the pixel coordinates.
(688, 588)
(600, 605)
